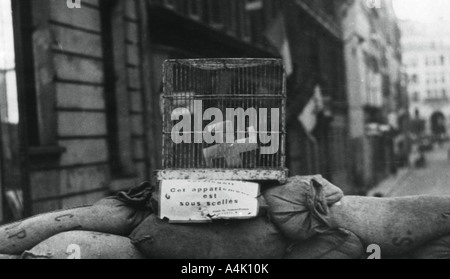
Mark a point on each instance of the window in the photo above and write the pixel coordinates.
(442, 60)
(444, 94)
(416, 97)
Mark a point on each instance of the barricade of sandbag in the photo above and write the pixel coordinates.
(247, 239)
(308, 211)
(257, 238)
(84, 245)
(308, 206)
(116, 215)
(339, 244)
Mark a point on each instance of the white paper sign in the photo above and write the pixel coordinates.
(190, 201)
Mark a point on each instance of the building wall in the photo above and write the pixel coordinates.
(373, 67)
(427, 64)
(73, 79)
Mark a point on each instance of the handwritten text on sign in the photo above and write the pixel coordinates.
(187, 201)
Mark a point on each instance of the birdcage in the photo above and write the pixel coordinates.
(224, 119)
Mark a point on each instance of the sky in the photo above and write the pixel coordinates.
(423, 10)
(6, 36)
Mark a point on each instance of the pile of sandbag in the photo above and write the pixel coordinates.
(309, 207)
(307, 218)
(90, 228)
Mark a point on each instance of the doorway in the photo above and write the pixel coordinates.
(438, 125)
(11, 171)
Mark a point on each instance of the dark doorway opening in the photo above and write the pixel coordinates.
(438, 123)
(14, 81)
(438, 126)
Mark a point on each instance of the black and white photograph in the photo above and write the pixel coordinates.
(226, 130)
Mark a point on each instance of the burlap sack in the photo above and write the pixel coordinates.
(115, 215)
(84, 245)
(9, 257)
(435, 250)
(300, 208)
(247, 239)
(338, 244)
(398, 225)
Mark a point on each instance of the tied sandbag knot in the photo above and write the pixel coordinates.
(301, 207)
(318, 206)
(147, 238)
(140, 197)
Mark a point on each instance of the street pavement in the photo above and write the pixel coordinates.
(433, 180)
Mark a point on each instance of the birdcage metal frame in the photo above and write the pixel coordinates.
(270, 172)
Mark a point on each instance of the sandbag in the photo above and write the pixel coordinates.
(398, 225)
(339, 244)
(9, 257)
(115, 215)
(84, 245)
(300, 208)
(240, 239)
(435, 250)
